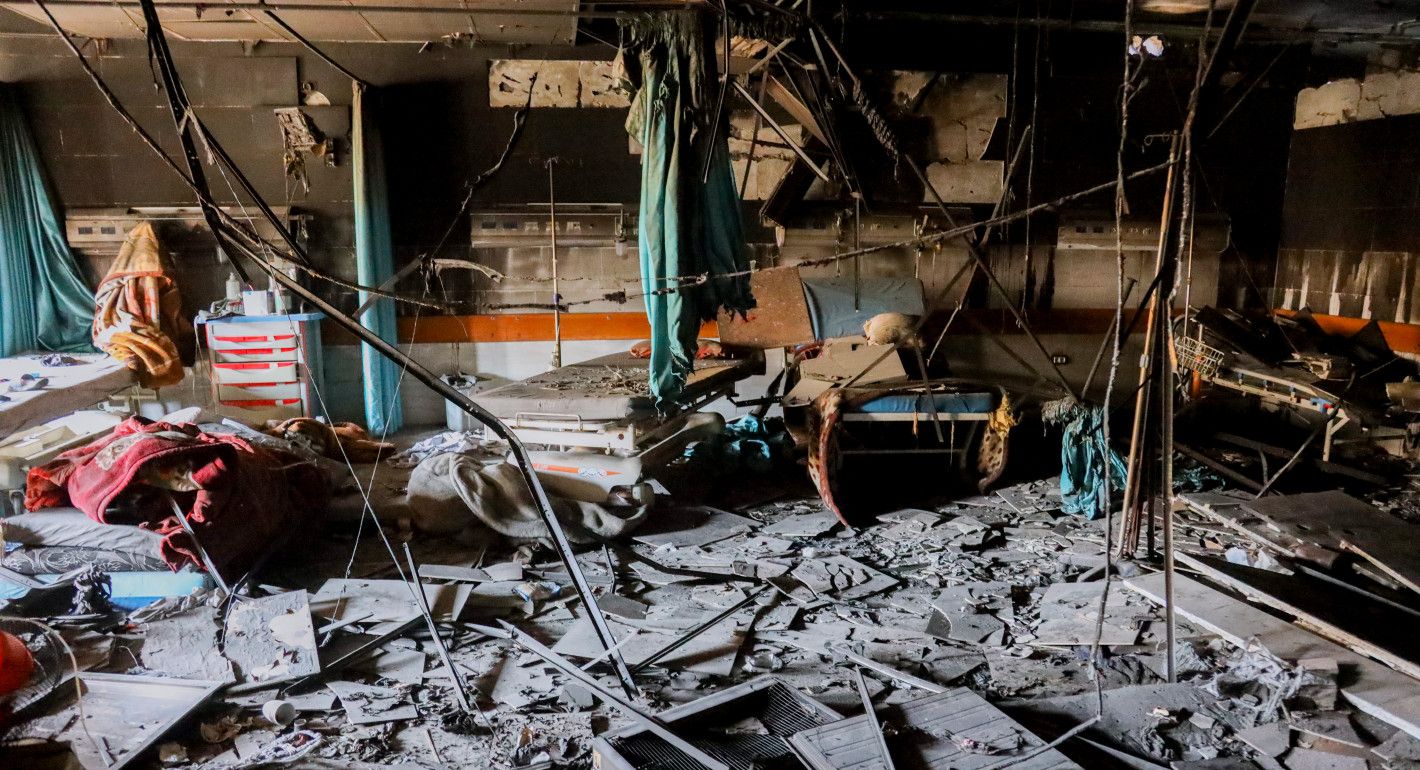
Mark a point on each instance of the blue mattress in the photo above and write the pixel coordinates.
(907, 403)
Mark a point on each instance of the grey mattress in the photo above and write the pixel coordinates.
(614, 387)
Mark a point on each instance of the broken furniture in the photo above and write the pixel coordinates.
(605, 403)
(1288, 362)
(271, 364)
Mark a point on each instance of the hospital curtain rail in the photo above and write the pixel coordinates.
(44, 302)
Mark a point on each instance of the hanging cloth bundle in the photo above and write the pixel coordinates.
(139, 315)
(686, 228)
(1085, 458)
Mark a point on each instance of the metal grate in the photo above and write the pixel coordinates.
(780, 709)
(1194, 355)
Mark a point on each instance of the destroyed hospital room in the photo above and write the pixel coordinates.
(709, 385)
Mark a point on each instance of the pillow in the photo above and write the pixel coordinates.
(70, 527)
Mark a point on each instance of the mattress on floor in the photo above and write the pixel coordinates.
(48, 560)
(70, 528)
(946, 403)
(614, 387)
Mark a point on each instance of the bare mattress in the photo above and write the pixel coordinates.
(613, 387)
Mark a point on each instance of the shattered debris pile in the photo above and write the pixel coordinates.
(973, 629)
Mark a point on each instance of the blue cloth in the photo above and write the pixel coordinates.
(746, 444)
(831, 302)
(374, 264)
(44, 302)
(947, 403)
(1084, 460)
(686, 227)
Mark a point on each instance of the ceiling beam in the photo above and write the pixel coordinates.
(600, 10)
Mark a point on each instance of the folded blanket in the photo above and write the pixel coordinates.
(449, 493)
(241, 500)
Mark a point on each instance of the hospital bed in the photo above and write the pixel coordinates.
(36, 425)
(72, 387)
(600, 424)
(965, 423)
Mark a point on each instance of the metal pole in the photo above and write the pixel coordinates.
(778, 129)
(874, 726)
(1130, 520)
(416, 587)
(556, 284)
(649, 721)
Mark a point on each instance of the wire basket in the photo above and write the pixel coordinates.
(1196, 356)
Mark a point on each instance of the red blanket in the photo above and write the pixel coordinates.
(242, 500)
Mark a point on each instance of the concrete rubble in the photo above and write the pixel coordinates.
(991, 600)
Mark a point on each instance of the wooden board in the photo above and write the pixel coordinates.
(1370, 686)
(780, 317)
(1369, 627)
(1334, 517)
(927, 737)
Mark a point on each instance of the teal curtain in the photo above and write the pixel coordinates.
(44, 302)
(687, 227)
(374, 260)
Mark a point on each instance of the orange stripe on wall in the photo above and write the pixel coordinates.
(538, 327)
(1402, 338)
(531, 327)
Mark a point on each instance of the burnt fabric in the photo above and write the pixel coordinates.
(241, 500)
(341, 441)
(138, 319)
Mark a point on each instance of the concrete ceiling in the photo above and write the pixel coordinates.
(494, 21)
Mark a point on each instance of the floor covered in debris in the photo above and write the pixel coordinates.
(756, 636)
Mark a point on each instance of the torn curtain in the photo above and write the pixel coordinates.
(44, 302)
(138, 315)
(686, 227)
(374, 263)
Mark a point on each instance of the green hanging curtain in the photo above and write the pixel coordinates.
(374, 264)
(686, 227)
(1085, 458)
(44, 302)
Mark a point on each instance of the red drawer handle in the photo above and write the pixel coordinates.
(257, 351)
(259, 338)
(260, 365)
(265, 402)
